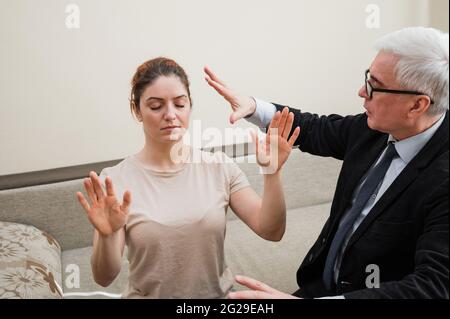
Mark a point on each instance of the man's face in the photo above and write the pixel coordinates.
(387, 113)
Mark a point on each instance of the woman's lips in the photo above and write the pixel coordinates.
(169, 128)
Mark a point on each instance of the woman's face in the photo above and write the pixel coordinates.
(165, 109)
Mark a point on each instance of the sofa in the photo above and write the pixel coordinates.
(47, 227)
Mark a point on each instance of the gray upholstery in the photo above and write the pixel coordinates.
(308, 182)
(52, 208)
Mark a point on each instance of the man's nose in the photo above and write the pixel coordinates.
(362, 92)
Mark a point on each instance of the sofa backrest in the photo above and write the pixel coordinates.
(307, 180)
(53, 208)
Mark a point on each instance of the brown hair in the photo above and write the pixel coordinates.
(151, 70)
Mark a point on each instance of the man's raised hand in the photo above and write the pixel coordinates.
(241, 105)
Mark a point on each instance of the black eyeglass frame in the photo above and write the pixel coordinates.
(370, 89)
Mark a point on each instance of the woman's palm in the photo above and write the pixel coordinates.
(107, 215)
(105, 212)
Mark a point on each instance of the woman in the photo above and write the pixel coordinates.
(173, 213)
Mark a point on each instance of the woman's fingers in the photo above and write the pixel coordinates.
(294, 136)
(275, 121)
(126, 201)
(288, 126)
(254, 137)
(273, 126)
(109, 187)
(260, 150)
(90, 190)
(283, 120)
(83, 202)
(97, 186)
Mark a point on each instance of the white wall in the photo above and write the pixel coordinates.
(438, 14)
(64, 92)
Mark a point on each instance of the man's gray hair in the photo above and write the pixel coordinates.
(422, 64)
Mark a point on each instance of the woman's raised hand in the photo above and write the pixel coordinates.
(241, 105)
(274, 150)
(104, 211)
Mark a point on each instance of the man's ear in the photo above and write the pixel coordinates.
(421, 105)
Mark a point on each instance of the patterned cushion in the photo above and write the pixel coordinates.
(30, 263)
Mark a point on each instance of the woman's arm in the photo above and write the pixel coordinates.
(108, 217)
(106, 259)
(267, 216)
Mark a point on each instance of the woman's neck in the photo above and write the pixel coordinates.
(164, 156)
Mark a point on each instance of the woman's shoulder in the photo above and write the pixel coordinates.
(124, 166)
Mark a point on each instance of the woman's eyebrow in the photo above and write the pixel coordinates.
(154, 98)
(161, 99)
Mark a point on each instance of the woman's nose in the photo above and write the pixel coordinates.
(170, 113)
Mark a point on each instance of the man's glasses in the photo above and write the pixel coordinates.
(370, 89)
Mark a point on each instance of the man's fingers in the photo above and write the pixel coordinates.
(288, 126)
(248, 294)
(213, 76)
(97, 186)
(109, 187)
(253, 284)
(221, 89)
(236, 116)
(83, 202)
(294, 136)
(126, 201)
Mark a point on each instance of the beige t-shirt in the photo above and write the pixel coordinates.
(176, 228)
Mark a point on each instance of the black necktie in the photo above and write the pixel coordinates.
(373, 179)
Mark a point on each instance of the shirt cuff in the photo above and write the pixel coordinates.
(263, 114)
(332, 297)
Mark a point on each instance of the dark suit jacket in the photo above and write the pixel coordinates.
(406, 234)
